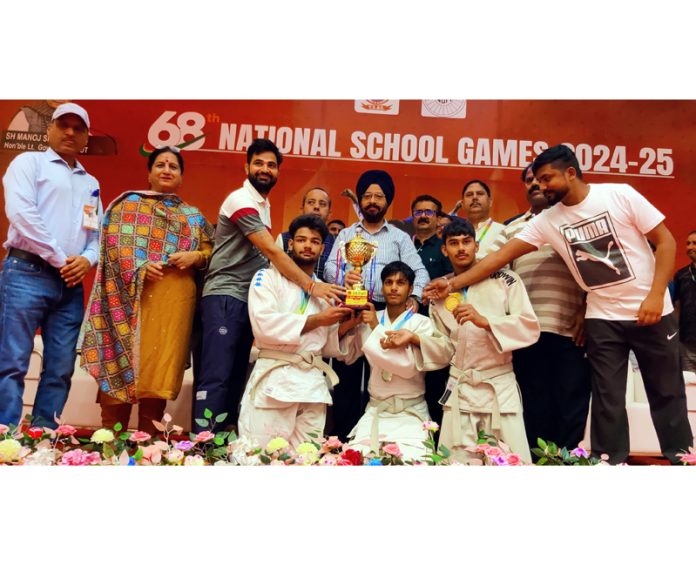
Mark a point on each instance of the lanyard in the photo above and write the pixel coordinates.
(405, 319)
(304, 300)
(485, 230)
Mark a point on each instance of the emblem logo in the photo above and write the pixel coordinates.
(377, 106)
(595, 250)
(443, 109)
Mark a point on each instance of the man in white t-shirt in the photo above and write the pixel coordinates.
(602, 232)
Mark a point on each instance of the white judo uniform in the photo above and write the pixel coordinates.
(487, 396)
(288, 389)
(397, 407)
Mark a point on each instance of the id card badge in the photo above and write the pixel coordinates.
(90, 220)
(451, 386)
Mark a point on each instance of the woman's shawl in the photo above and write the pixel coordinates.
(138, 227)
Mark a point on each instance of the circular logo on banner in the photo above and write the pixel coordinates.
(222, 330)
(445, 108)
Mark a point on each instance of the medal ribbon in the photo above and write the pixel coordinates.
(485, 230)
(405, 319)
(304, 300)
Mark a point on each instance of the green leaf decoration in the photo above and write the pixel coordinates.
(218, 441)
(207, 413)
(108, 451)
(220, 417)
(541, 443)
(542, 461)
(202, 422)
(118, 427)
(138, 455)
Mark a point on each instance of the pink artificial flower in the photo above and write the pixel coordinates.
(77, 457)
(688, 458)
(204, 436)
(482, 447)
(332, 443)
(514, 459)
(140, 436)
(152, 453)
(579, 452)
(430, 426)
(392, 449)
(4, 429)
(329, 459)
(493, 452)
(65, 430)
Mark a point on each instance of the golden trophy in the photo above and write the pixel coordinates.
(358, 252)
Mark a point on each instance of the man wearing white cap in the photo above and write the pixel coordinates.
(53, 208)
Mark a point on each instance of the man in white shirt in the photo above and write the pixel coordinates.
(54, 210)
(602, 232)
(476, 203)
(486, 322)
(401, 346)
(287, 392)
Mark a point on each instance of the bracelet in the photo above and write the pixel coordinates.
(310, 288)
(202, 256)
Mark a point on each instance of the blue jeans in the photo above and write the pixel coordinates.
(33, 297)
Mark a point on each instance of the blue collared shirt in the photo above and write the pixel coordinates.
(392, 245)
(44, 203)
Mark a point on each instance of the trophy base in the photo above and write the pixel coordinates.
(356, 299)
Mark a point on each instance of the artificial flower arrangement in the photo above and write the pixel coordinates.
(29, 445)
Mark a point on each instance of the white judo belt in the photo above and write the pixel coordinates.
(304, 361)
(474, 378)
(393, 405)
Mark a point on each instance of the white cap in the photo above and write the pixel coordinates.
(71, 108)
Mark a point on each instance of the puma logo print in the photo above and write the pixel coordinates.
(581, 255)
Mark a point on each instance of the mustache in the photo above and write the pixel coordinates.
(533, 188)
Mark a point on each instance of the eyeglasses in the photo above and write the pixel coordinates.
(172, 148)
(428, 213)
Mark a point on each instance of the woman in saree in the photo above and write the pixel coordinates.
(137, 328)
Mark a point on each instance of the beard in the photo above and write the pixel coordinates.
(373, 217)
(302, 261)
(553, 198)
(262, 186)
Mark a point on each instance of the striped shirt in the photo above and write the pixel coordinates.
(235, 259)
(392, 245)
(552, 290)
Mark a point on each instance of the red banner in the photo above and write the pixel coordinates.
(429, 146)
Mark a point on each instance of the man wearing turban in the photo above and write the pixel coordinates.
(375, 192)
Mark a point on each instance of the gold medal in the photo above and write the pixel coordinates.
(453, 300)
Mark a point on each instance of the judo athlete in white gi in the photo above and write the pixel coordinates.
(485, 322)
(400, 346)
(287, 391)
